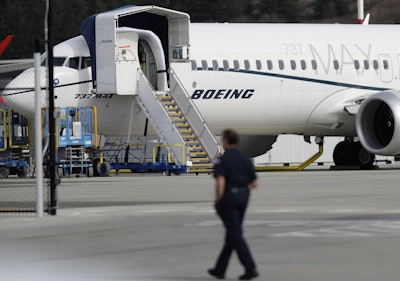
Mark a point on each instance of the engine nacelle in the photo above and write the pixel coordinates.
(254, 146)
(378, 123)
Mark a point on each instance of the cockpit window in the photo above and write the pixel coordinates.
(73, 63)
(86, 62)
(57, 61)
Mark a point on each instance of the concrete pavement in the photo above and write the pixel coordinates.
(310, 225)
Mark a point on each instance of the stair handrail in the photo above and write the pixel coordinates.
(163, 120)
(194, 117)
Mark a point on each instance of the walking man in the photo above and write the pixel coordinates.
(235, 177)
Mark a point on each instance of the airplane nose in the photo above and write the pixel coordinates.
(19, 94)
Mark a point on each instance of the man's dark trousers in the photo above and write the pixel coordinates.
(231, 210)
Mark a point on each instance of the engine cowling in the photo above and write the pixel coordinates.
(255, 145)
(378, 123)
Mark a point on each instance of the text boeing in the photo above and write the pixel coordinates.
(218, 94)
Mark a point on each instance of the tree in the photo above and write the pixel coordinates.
(25, 19)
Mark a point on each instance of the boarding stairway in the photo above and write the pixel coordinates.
(179, 124)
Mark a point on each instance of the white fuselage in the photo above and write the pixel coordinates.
(261, 79)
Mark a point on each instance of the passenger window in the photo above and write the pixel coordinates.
(226, 64)
(236, 64)
(269, 64)
(204, 64)
(215, 64)
(375, 64)
(314, 64)
(336, 64)
(366, 64)
(281, 65)
(86, 62)
(386, 64)
(293, 64)
(73, 63)
(357, 64)
(303, 64)
(258, 64)
(194, 64)
(246, 64)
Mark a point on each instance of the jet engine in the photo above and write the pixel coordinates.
(378, 123)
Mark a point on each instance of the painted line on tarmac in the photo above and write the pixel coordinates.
(319, 228)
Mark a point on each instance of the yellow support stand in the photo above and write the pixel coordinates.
(299, 167)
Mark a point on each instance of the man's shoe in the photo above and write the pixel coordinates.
(215, 274)
(249, 275)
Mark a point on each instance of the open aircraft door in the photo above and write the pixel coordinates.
(115, 54)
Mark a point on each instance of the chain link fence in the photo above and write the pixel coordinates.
(18, 191)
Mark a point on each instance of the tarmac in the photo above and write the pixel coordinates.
(301, 226)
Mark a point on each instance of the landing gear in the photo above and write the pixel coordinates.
(363, 158)
(96, 167)
(105, 169)
(348, 153)
(101, 169)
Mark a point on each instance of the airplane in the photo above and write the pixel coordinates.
(4, 43)
(3, 46)
(263, 80)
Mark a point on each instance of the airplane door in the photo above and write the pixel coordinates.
(147, 63)
(398, 68)
(386, 68)
(126, 62)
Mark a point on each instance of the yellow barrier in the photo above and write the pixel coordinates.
(4, 123)
(169, 156)
(96, 136)
(10, 131)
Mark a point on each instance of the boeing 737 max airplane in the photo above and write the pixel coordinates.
(261, 79)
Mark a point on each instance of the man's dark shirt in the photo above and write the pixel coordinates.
(236, 168)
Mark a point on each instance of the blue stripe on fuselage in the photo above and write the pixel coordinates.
(305, 79)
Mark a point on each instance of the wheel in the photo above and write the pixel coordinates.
(4, 173)
(89, 172)
(60, 172)
(362, 157)
(342, 154)
(22, 172)
(105, 169)
(96, 167)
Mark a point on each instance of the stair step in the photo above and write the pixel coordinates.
(186, 130)
(193, 142)
(172, 109)
(200, 171)
(201, 168)
(165, 97)
(182, 125)
(179, 119)
(197, 153)
(196, 148)
(199, 160)
(175, 114)
(169, 103)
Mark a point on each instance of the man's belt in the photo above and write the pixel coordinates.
(238, 189)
